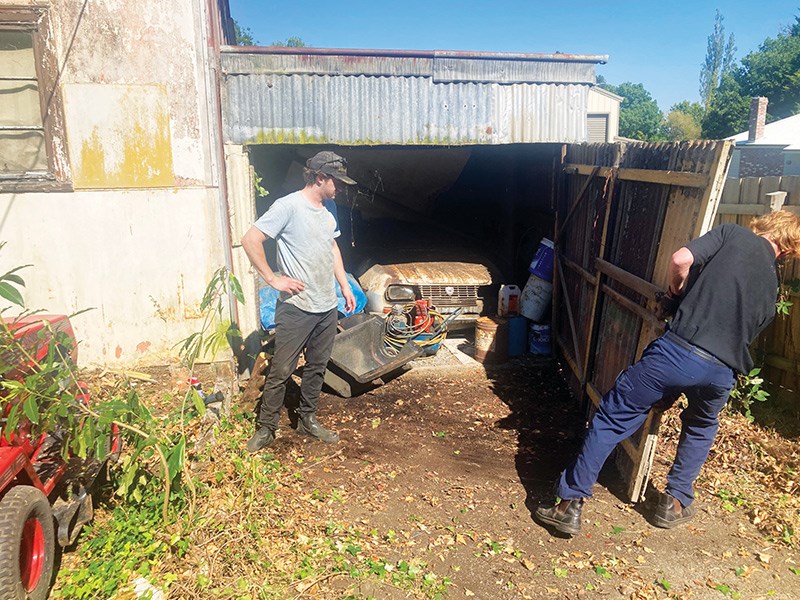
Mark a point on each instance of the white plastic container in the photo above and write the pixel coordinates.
(535, 298)
(508, 301)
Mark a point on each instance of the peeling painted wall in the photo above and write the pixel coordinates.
(125, 141)
(147, 43)
(142, 232)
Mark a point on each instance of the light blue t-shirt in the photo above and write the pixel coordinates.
(304, 237)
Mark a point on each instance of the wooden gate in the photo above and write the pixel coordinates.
(622, 210)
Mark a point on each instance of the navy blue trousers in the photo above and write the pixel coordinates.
(666, 369)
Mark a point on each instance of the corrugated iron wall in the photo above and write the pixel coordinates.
(383, 100)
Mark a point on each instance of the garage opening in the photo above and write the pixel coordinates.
(487, 204)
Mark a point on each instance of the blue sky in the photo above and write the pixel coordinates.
(659, 44)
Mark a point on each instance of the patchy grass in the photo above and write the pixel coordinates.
(255, 529)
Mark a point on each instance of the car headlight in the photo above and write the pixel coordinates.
(400, 293)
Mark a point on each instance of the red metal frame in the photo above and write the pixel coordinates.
(18, 452)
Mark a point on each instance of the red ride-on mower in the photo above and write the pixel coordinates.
(44, 496)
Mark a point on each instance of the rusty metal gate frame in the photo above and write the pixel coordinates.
(588, 288)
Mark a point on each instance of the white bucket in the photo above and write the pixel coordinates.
(539, 338)
(508, 301)
(535, 298)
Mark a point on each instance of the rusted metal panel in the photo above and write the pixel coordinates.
(505, 67)
(234, 62)
(356, 98)
(361, 110)
(449, 273)
(512, 71)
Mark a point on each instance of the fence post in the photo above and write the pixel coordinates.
(776, 200)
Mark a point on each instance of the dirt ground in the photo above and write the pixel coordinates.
(454, 459)
(447, 463)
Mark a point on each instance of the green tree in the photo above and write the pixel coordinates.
(244, 36)
(693, 109)
(729, 111)
(292, 42)
(718, 62)
(794, 28)
(683, 125)
(774, 71)
(639, 115)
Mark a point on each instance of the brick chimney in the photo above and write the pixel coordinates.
(758, 116)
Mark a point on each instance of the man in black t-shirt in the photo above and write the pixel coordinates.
(722, 291)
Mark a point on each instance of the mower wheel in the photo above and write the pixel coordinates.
(27, 544)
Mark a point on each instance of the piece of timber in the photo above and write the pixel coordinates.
(637, 284)
(681, 178)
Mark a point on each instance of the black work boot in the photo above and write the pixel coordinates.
(308, 425)
(670, 512)
(564, 516)
(262, 438)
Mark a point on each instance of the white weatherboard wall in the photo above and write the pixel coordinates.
(144, 229)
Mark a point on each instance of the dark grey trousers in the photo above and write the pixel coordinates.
(297, 330)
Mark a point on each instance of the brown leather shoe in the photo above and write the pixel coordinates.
(670, 512)
(564, 516)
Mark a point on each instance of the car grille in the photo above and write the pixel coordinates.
(460, 295)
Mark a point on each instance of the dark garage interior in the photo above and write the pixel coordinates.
(431, 203)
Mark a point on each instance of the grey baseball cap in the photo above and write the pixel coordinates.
(330, 163)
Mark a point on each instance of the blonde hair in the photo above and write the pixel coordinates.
(783, 228)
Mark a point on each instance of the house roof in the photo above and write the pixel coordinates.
(785, 132)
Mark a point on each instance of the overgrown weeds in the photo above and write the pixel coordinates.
(258, 529)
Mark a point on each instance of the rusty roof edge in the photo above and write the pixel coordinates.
(557, 57)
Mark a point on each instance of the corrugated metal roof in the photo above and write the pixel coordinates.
(403, 97)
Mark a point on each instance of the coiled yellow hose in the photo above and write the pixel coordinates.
(397, 331)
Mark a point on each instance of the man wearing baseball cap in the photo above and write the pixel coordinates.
(303, 225)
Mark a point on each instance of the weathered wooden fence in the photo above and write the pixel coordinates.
(622, 210)
(778, 349)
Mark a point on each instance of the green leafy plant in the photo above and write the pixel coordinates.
(602, 571)
(747, 391)
(785, 291)
(731, 500)
(43, 390)
(216, 331)
(261, 191)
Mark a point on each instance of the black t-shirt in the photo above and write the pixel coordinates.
(730, 295)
